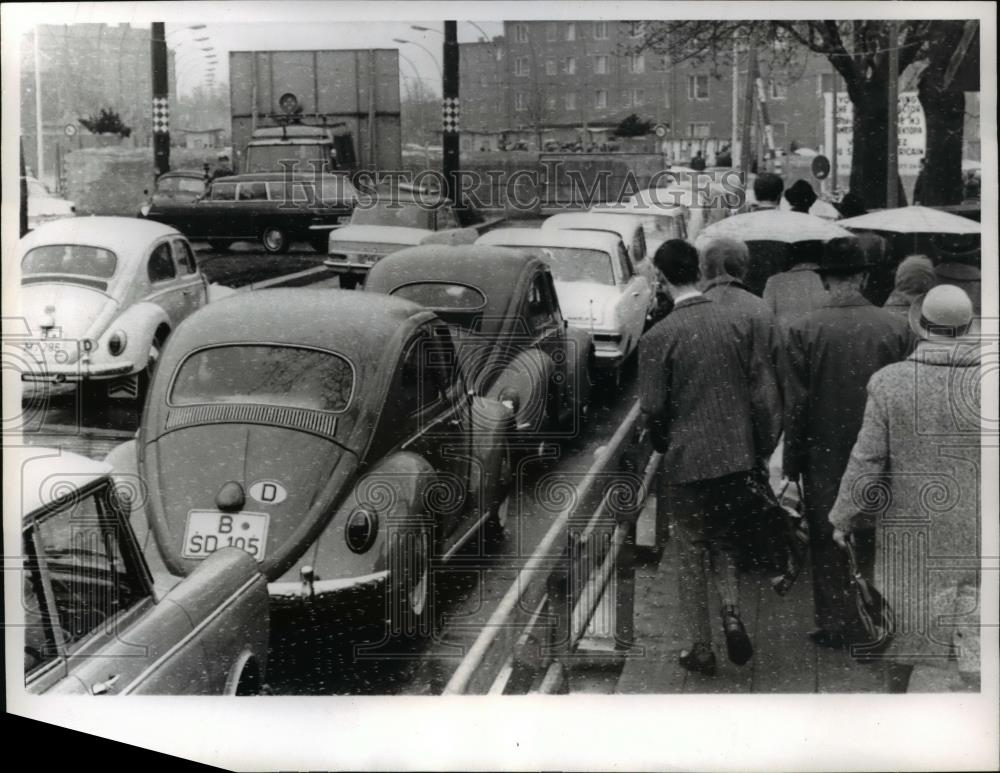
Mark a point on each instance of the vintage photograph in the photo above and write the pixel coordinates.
(505, 351)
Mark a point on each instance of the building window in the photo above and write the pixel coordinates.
(778, 90)
(627, 98)
(499, 54)
(520, 101)
(569, 101)
(699, 130)
(666, 97)
(600, 30)
(600, 65)
(601, 98)
(635, 28)
(550, 102)
(551, 31)
(550, 66)
(638, 97)
(521, 33)
(521, 66)
(636, 63)
(569, 65)
(698, 87)
(571, 31)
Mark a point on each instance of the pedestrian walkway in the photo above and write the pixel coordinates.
(784, 661)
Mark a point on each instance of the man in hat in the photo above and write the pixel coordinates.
(922, 429)
(914, 277)
(831, 354)
(801, 196)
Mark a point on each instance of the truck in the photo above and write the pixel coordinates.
(333, 110)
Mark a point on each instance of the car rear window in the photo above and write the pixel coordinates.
(180, 185)
(75, 259)
(384, 213)
(575, 264)
(285, 376)
(442, 295)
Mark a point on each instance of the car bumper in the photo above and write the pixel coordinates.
(347, 267)
(356, 597)
(78, 371)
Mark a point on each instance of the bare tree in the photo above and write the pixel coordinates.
(859, 51)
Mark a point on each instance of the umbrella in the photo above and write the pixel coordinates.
(823, 209)
(774, 225)
(912, 220)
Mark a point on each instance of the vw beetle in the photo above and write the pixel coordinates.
(329, 434)
(512, 341)
(100, 296)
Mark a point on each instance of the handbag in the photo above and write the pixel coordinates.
(875, 618)
(774, 539)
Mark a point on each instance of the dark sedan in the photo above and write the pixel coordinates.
(271, 207)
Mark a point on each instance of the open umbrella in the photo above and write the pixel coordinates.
(774, 225)
(912, 220)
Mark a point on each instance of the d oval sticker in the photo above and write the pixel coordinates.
(268, 492)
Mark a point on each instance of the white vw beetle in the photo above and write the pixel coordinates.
(598, 287)
(100, 295)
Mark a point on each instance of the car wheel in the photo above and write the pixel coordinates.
(499, 515)
(220, 245)
(348, 281)
(274, 239)
(410, 587)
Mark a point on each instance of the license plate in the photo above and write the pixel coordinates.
(210, 530)
(51, 346)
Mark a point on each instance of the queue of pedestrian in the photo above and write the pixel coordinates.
(870, 410)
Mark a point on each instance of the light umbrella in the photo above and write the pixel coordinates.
(912, 220)
(774, 225)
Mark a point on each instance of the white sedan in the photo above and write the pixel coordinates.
(99, 296)
(598, 287)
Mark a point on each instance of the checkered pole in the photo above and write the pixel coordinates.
(161, 99)
(450, 109)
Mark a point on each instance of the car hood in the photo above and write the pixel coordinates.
(78, 312)
(587, 302)
(186, 469)
(45, 205)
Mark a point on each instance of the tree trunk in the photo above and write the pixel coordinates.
(869, 155)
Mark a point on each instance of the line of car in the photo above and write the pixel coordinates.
(350, 442)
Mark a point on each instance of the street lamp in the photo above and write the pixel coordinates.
(482, 32)
(427, 50)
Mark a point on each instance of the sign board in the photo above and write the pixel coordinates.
(70, 130)
(660, 130)
(912, 133)
(820, 167)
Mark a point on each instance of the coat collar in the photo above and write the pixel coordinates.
(723, 280)
(691, 301)
(854, 299)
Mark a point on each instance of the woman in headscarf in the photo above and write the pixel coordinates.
(801, 196)
(914, 276)
(915, 472)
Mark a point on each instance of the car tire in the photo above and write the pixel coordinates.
(495, 528)
(409, 589)
(220, 245)
(275, 240)
(349, 281)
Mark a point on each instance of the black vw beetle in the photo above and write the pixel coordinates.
(329, 434)
(512, 342)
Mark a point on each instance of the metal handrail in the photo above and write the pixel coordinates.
(538, 567)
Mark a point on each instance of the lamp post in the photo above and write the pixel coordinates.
(161, 99)
(403, 41)
(450, 112)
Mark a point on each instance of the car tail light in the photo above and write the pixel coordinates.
(117, 342)
(361, 530)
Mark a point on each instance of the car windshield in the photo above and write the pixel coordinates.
(384, 212)
(442, 295)
(298, 158)
(180, 185)
(285, 376)
(73, 259)
(575, 264)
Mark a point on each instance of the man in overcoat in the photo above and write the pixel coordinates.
(706, 412)
(831, 354)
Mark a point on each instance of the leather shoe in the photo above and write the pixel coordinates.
(737, 642)
(699, 659)
(834, 640)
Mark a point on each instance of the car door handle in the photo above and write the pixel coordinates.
(635, 294)
(101, 688)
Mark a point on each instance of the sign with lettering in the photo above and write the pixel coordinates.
(912, 134)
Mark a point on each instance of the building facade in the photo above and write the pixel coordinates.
(548, 82)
